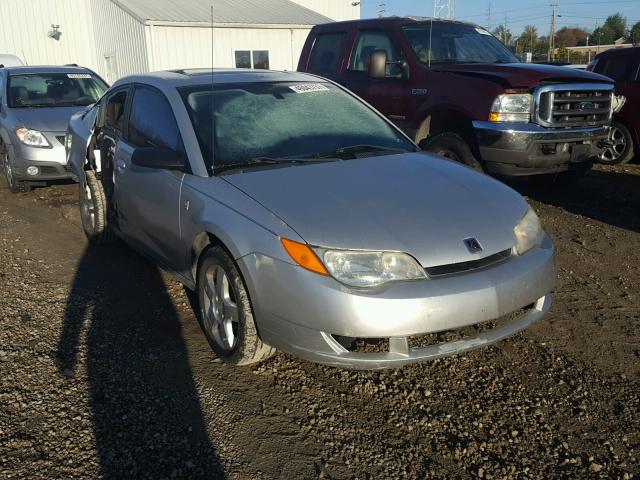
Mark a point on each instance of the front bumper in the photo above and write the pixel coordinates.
(51, 162)
(529, 149)
(301, 313)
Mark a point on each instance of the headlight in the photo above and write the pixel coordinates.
(32, 138)
(529, 233)
(370, 269)
(512, 107)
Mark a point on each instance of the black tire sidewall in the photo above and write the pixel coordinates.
(456, 146)
(218, 256)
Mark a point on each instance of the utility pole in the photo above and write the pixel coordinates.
(382, 9)
(552, 33)
(489, 16)
(443, 9)
(505, 32)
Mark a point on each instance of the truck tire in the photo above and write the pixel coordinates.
(621, 149)
(452, 146)
(225, 310)
(15, 186)
(94, 211)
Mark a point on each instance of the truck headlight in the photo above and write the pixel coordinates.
(370, 268)
(512, 107)
(32, 138)
(529, 233)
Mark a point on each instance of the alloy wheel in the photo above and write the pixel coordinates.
(88, 210)
(220, 309)
(617, 145)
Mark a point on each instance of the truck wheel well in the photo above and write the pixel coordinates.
(441, 121)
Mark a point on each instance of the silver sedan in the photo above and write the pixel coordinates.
(305, 221)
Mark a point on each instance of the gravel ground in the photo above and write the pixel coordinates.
(105, 373)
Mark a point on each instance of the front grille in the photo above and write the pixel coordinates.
(574, 105)
(462, 267)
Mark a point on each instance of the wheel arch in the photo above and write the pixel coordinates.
(448, 119)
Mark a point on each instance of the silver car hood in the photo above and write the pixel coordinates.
(44, 119)
(414, 203)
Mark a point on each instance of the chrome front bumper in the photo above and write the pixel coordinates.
(300, 312)
(526, 149)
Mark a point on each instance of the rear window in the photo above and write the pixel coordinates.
(326, 52)
(54, 89)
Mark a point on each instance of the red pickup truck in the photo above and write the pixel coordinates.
(458, 92)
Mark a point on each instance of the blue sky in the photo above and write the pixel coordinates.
(580, 13)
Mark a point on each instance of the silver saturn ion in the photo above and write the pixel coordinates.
(305, 221)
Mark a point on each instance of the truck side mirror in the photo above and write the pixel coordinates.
(377, 64)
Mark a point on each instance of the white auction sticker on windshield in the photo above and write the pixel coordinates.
(308, 88)
(482, 31)
(78, 75)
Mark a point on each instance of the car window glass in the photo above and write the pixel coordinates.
(370, 41)
(617, 67)
(326, 52)
(54, 89)
(114, 111)
(152, 123)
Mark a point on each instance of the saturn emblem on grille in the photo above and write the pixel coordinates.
(473, 245)
(586, 106)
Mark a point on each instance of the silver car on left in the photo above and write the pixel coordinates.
(36, 104)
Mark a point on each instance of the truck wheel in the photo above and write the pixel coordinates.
(93, 211)
(15, 186)
(452, 146)
(620, 149)
(225, 311)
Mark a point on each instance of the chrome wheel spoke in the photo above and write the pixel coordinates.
(221, 310)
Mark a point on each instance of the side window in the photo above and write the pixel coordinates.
(326, 52)
(114, 111)
(616, 67)
(152, 123)
(370, 41)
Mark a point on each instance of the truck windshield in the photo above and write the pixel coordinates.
(40, 90)
(445, 43)
(276, 121)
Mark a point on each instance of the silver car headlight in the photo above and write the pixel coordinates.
(370, 268)
(529, 233)
(32, 138)
(512, 107)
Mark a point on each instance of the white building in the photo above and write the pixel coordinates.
(121, 37)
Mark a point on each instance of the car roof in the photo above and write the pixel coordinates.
(185, 78)
(35, 69)
(618, 51)
(386, 21)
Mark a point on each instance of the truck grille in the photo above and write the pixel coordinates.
(574, 105)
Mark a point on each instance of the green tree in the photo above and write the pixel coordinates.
(528, 39)
(614, 27)
(571, 37)
(504, 34)
(634, 34)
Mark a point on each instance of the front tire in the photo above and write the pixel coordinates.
(452, 146)
(94, 211)
(225, 311)
(620, 149)
(15, 186)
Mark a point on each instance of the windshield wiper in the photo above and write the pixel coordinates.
(351, 152)
(261, 161)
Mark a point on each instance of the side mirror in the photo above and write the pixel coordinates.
(156, 157)
(377, 64)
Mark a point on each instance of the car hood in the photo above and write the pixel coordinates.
(46, 119)
(413, 202)
(524, 75)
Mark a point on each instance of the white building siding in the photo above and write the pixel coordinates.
(25, 25)
(190, 47)
(120, 42)
(337, 10)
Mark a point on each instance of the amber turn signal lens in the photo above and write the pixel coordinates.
(494, 117)
(302, 254)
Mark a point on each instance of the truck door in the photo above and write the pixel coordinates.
(389, 95)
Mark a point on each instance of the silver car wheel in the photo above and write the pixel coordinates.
(7, 169)
(617, 147)
(220, 310)
(88, 209)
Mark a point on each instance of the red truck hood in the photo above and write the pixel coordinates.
(523, 75)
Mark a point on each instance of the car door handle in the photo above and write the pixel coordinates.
(120, 166)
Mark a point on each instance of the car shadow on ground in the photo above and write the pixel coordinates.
(121, 324)
(609, 196)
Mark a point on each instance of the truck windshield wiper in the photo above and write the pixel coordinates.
(260, 162)
(352, 151)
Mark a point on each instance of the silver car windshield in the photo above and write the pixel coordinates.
(285, 120)
(46, 90)
(440, 43)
